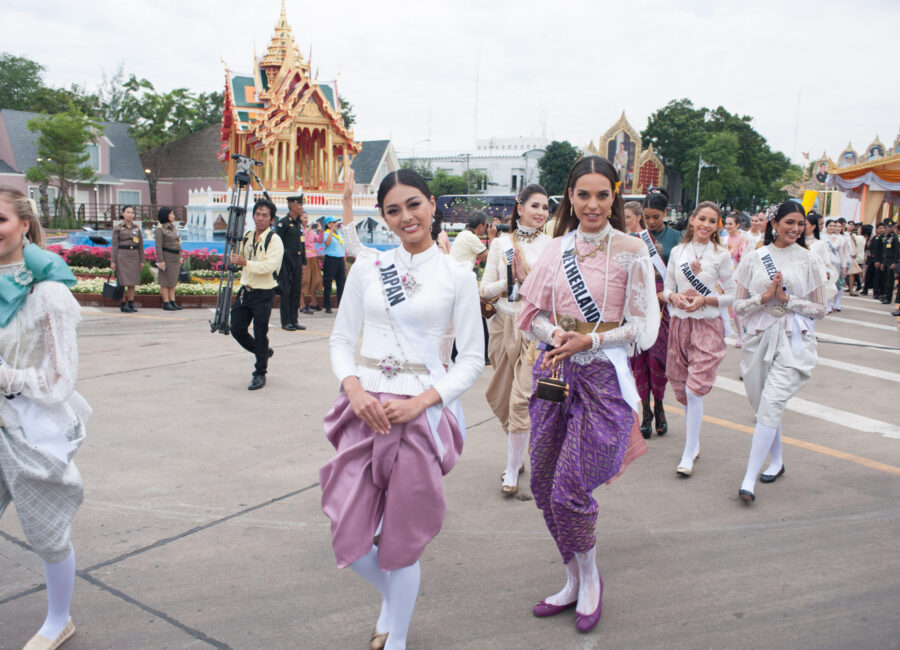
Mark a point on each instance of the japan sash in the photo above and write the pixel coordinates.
(617, 355)
(800, 321)
(412, 329)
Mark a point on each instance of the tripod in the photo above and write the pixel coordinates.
(234, 235)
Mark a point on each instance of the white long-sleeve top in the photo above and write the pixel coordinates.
(494, 280)
(39, 351)
(803, 275)
(841, 247)
(447, 293)
(716, 268)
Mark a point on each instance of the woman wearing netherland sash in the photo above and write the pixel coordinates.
(592, 296)
(699, 264)
(511, 352)
(397, 426)
(780, 291)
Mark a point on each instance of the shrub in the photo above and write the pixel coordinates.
(147, 276)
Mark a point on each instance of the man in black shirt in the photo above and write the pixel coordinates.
(291, 232)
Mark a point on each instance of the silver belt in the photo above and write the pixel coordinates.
(391, 366)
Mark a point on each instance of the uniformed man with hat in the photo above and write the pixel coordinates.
(291, 231)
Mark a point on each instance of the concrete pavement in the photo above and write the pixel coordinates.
(201, 523)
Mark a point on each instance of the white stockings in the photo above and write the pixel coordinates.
(589, 579)
(60, 582)
(399, 589)
(569, 593)
(693, 416)
(763, 440)
(775, 460)
(517, 442)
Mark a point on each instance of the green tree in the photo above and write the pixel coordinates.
(22, 88)
(445, 183)
(556, 164)
(62, 154)
(423, 168)
(347, 113)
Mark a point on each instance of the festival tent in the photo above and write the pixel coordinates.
(875, 182)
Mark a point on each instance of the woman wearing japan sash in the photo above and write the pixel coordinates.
(588, 279)
(780, 291)
(511, 352)
(397, 426)
(696, 332)
(42, 418)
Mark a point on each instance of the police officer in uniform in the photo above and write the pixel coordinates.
(290, 230)
(890, 257)
(260, 255)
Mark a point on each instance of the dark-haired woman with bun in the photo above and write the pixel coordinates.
(591, 297)
(780, 291)
(397, 426)
(649, 366)
(168, 257)
(126, 256)
(511, 352)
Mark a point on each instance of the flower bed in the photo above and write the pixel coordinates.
(97, 257)
(95, 285)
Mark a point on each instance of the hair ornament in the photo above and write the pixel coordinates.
(770, 212)
(618, 185)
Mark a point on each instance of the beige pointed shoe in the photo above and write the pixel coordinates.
(39, 642)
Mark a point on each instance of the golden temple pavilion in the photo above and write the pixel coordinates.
(281, 115)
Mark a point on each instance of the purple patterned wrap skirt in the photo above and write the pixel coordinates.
(392, 479)
(649, 366)
(577, 445)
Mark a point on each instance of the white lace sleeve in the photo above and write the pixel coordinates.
(641, 310)
(354, 247)
(493, 282)
(744, 302)
(54, 381)
(543, 328)
(669, 285)
(726, 281)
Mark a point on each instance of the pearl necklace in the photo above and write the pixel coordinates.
(598, 240)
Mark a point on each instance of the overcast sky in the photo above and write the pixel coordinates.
(566, 68)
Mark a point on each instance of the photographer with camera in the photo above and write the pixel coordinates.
(291, 231)
(260, 256)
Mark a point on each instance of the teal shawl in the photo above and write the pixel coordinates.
(40, 265)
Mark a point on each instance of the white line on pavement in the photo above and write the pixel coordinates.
(850, 321)
(831, 338)
(822, 412)
(880, 312)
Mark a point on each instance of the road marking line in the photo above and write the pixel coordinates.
(794, 442)
(822, 412)
(861, 323)
(831, 338)
(869, 311)
(862, 370)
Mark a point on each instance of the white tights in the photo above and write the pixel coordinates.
(765, 440)
(515, 452)
(60, 583)
(582, 584)
(399, 589)
(693, 416)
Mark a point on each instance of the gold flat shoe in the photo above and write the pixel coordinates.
(510, 490)
(378, 640)
(687, 471)
(39, 642)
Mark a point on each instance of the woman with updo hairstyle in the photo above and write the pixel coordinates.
(839, 259)
(168, 257)
(126, 255)
(780, 292)
(737, 244)
(42, 419)
(634, 217)
(698, 266)
(590, 300)
(819, 247)
(649, 366)
(397, 426)
(512, 354)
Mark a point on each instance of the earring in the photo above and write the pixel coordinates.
(571, 210)
(25, 240)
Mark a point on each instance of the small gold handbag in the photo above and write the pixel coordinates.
(552, 389)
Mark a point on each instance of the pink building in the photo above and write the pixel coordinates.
(114, 156)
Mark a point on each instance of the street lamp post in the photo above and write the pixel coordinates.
(700, 165)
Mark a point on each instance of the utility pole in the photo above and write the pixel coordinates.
(700, 165)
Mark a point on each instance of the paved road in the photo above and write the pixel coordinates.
(201, 522)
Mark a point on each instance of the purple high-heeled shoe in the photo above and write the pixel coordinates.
(587, 622)
(544, 609)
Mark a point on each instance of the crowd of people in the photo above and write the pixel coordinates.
(582, 324)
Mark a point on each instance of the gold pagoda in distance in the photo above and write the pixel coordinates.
(284, 117)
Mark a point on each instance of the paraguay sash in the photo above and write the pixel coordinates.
(654, 254)
(509, 253)
(703, 290)
(412, 329)
(800, 321)
(617, 355)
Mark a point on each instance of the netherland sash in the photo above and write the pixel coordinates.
(580, 292)
(411, 328)
(655, 257)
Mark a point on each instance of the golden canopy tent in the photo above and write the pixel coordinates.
(875, 182)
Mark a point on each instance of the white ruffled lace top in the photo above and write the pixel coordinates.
(716, 269)
(39, 352)
(804, 278)
(494, 281)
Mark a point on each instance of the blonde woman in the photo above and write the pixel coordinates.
(43, 418)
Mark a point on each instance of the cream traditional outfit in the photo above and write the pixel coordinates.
(697, 338)
(390, 485)
(511, 351)
(780, 348)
